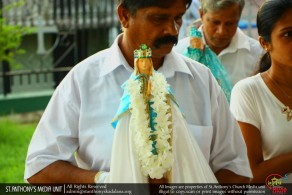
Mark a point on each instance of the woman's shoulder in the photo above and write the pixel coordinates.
(249, 82)
(248, 87)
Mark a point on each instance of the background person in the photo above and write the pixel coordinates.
(238, 52)
(262, 103)
(75, 134)
(191, 14)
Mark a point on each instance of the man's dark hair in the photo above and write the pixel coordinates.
(134, 5)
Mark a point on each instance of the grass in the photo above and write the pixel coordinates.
(14, 140)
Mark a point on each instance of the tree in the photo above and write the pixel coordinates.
(11, 36)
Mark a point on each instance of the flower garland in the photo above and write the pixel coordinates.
(154, 164)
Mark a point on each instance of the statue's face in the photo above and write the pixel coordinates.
(196, 43)
(144, 65)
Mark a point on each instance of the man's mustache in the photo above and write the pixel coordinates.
(165, 40)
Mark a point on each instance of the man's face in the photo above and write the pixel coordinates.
(219, 27)
(156, 27)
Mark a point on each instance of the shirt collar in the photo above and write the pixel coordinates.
(115, 58)
(173, 62)
(239, 41)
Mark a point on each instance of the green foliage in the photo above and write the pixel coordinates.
(11, 36)
(14, 141)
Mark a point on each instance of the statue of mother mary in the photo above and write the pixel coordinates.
(152, 140)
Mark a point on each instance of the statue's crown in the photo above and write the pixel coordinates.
(195, 33)
(143, 52)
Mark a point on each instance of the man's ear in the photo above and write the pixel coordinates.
(124, 16)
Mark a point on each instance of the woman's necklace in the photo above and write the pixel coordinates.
(285, 110)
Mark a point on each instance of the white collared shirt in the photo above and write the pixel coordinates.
(76, 125)
(240, 58)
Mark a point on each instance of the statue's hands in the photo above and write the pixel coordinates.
(149, 88)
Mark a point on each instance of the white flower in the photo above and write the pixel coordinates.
(153, 165)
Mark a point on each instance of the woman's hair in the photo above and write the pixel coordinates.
(217, 5)
(268, 15)
(134, 5)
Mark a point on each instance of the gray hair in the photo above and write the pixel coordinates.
(216, 5)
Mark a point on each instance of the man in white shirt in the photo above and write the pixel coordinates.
(238, 52)
(73, 141)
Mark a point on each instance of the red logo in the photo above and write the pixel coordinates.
(274, 183)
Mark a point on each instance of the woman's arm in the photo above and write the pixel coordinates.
(225, 176)
(262, 169)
